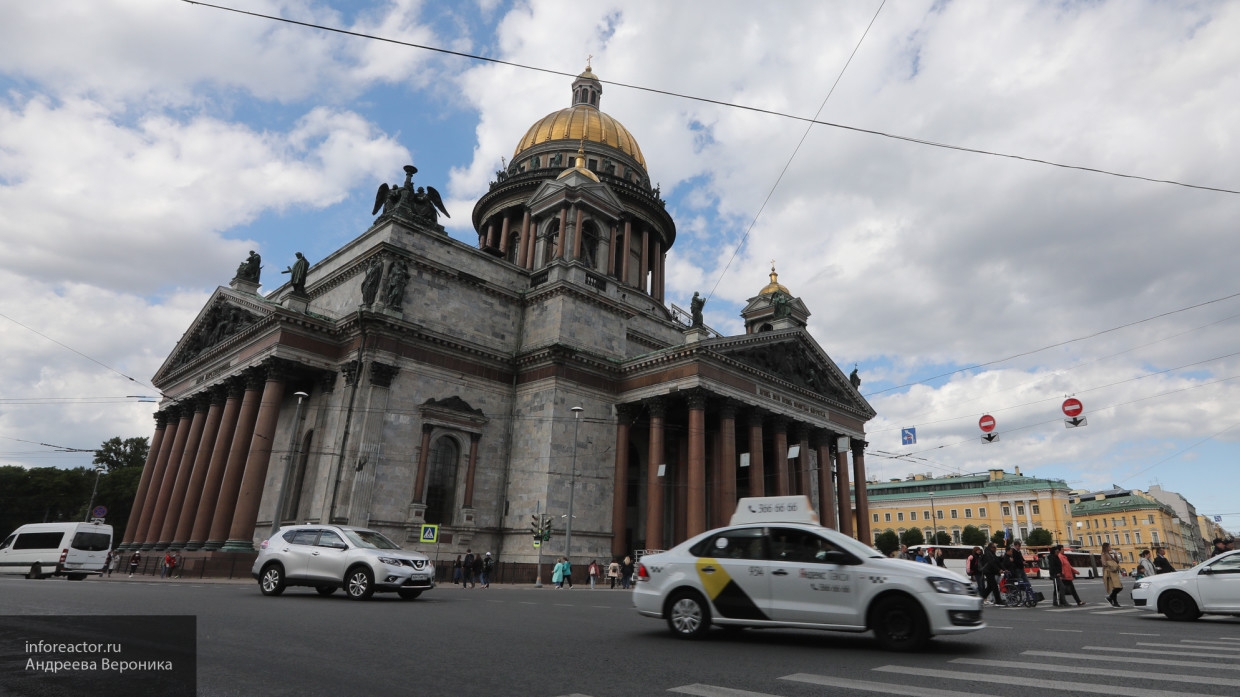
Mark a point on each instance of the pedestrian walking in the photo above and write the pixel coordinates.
(467, 570)
(165, 569)
(626, 573)
(488, 566)
(991, 567)
(1145, 567)
(1162, 564)
(938, 558)
(592, 572)
(1065, 582)
(107, 562)
(613, 573)
(1111, 578)
(973, 569)
(134, 560)
(456, 570)
(568, 573)
(557, 573)
(476, 571)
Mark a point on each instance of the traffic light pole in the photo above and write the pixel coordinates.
(538, 532)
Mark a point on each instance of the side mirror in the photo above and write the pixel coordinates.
(1206, 570)
(835, 556)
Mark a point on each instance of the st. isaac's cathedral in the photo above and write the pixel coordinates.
(410, 379)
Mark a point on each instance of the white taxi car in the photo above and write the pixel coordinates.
(776, 566)
(1211, 587)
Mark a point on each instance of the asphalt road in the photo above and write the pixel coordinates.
(553, 643)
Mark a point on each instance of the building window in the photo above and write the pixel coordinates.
(955, 514)
(925, 514)
(875, 517)
(1007, 511)
(1138, 536)
(1037, 509)
(1151, 521)
(441, 489)
(940, 514)
(1104, 522)
(1127, 539)
(981, 512)
(1154, 535)
(1091, 540)
(1020, 509)
(900, 516)
(955, 537)
(887, 517)
(968, 512)
(912, 515)
(1108, 538)
(1024, 532)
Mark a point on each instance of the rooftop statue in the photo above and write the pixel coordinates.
(695, 307)
(422, 205)
(250, 268)
(854, 378)
(297, 274)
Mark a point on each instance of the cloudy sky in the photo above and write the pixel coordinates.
(145, 147)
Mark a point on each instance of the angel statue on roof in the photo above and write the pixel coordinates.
(422, 205)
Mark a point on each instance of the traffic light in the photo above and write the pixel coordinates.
(536, 527)
(547, 531)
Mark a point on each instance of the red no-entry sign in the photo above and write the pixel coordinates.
(1072, 406)
(987, 423)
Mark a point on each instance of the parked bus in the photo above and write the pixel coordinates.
(953, 555)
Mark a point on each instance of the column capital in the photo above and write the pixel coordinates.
(349, 370)
(756, 417)
(279, 369)
(255, 378)
(697, 397)
(161, 419)
(779, 423)
(382, 374)
(327, 381)
(656, 406)
(626, 413)
(474, 438)
(218, 394)
(235, 387)
(202, 400)
(858, 446)
(728, 408)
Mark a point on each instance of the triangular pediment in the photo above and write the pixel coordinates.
(793, 357)
(553, 192)
(224, 317)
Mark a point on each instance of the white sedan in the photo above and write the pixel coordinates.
(1210, 588)
(775, 566)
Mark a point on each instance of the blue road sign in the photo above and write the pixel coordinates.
(908, 436)
(430, 533)
(99, 511)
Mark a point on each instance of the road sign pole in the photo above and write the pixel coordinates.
(538, 577)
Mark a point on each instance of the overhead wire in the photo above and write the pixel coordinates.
(719, 102)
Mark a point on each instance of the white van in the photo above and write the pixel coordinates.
(39, 550)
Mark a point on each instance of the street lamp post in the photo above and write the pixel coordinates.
(91, 504)
(572, 487)
(292, 462)
(934, 517)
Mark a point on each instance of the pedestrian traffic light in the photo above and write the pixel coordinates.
(546, 532)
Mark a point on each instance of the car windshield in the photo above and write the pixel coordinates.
(369, 539)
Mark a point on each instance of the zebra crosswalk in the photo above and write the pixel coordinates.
(1187, 668)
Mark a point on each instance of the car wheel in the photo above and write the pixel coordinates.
(899, 624)
(271, 581)
(36, 571)
(1180, 607)
(688, 615)
(325, 590)
(359, 583)
(408, 593)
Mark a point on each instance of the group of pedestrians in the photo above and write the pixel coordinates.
(470, 570)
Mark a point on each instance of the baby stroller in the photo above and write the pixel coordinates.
(1018, 592)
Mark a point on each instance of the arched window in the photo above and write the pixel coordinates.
(589, 243)
(551, 239)
(441, 490)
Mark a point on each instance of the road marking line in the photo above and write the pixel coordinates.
(871, 686)
(1137, 634)
(564, 605)
(995, 626)
(1061, 685)
(1155, 652)
(1076, 670)
(1227, 644)
(1182, 646)
(715, 691)
(1078, 631)
(526, 602)
(1133, 659)
(1123, 611)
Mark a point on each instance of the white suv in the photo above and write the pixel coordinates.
(327, 557)
(1211, 587)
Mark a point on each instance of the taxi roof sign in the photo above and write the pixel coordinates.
(775, 509)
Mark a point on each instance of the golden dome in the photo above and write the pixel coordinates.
(774, 286)
(577, 123)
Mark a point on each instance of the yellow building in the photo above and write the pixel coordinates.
(1131, 522)
(992, 501)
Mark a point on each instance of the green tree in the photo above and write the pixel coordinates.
(887, 542)
(117, 454)
(912, 537)
(973, 535)
(997, 538)
(942, 538)
(1039, 537)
